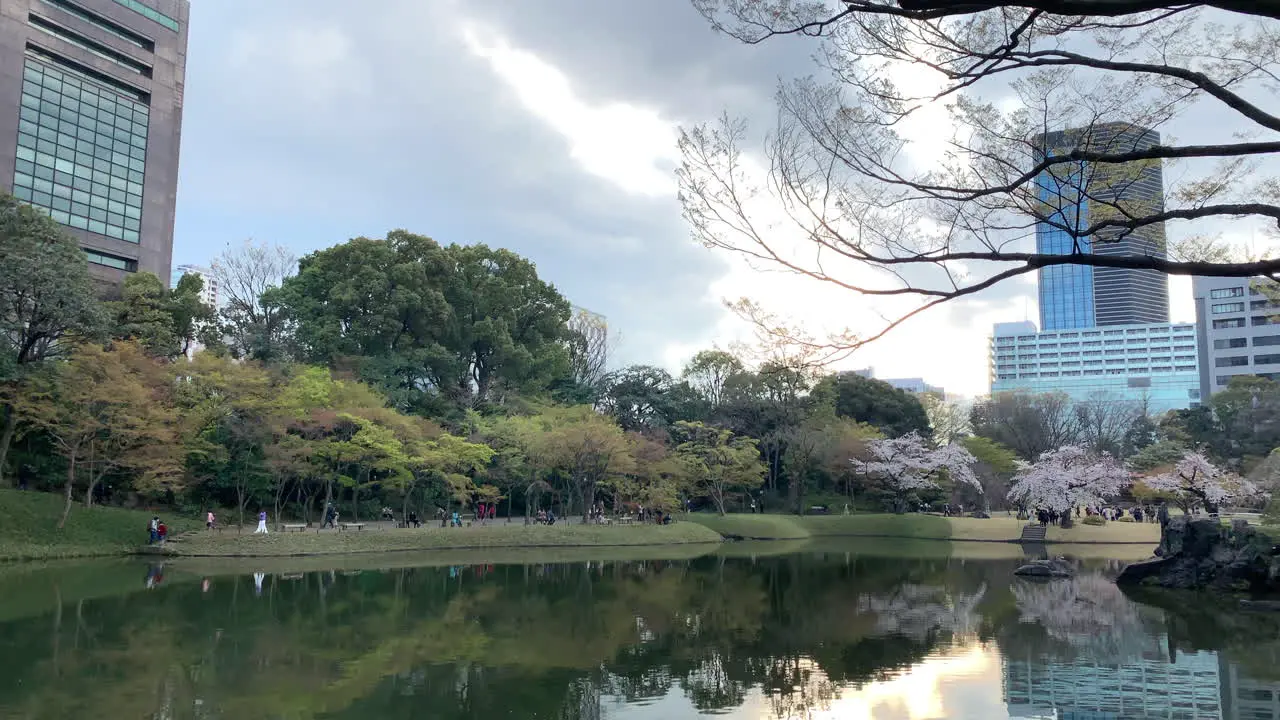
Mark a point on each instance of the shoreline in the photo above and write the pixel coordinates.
(1013, 541)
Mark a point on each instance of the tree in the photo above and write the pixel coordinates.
(995, 466)
(586, 446)
(641, 397)
(451, 459)
(588, 340)
(709, 372)
(948, 420)
(441, 329)
(103, 411)
(896, 412)
(1104, 422)
(1029, 424)
(717, 462)
(194, 321)
(253, 320)
(1195, 482)
(46, 297)
(905, 465)
(839, 164)
(1068, 478)
(142, 314)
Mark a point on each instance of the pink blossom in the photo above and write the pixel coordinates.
(1195, 481)
(907, 463)
(1067, 478)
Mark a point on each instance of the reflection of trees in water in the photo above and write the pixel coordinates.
(922, 611)
(1088, 613)
(548, 641)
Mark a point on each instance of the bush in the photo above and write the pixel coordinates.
(1096, 520)
(1124, 518)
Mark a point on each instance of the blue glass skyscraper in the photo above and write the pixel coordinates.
(1082, 296)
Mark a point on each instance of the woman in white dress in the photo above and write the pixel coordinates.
(262, 523)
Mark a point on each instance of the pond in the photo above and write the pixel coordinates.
(860, 631)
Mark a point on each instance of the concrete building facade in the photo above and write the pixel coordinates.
(209, 293)
(91, 122)
(1073, 197)
(1239, 332)
(1154, 364)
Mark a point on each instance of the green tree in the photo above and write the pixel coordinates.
(895, 412)
(194, 321)
(46, 297)
(249, 277)
(104, 410)
(142, 314)
(709, 372)
(718, 462)
(439, 327)
(995, 467)
(586, 447)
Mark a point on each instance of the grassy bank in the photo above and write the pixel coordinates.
(515, 536)
(28, 528)
(917, 527)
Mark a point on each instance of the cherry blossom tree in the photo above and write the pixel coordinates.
(906, 465)
(1067, 478)
(1195, 482)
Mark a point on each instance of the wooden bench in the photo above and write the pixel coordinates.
(293, 528)
(349, 525)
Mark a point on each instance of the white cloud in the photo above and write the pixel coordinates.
(632, 147)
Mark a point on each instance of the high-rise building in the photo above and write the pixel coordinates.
(1239, 332)
(90, 122)
(1077, 195)
(209, 293)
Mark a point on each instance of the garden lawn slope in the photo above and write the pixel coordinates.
(915, 526)
(227, 544)
(28, 528)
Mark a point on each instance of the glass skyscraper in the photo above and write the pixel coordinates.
(1073, 196)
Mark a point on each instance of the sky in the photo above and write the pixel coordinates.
(548, 127)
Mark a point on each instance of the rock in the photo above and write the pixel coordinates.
(1201, 553)
(980, 514)
(1055, 568)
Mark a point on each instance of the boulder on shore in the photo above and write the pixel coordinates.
(1201, 553)
(1053, 568)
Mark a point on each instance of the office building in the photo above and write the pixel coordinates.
(1153, 364)
(90, 122)
(1075, 196)
(209, 293)
(915, 386)
(1239, 331)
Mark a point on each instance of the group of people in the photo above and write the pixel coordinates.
(545, 517)
(1158, 514)
(159, 532)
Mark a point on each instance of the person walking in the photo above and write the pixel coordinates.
(208, 521)
(154, 529)
(262, 523)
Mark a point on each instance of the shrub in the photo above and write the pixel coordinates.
(1095, 520)
(1125, 518)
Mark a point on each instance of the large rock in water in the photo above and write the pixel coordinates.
(1055, 568)
(1202, 553)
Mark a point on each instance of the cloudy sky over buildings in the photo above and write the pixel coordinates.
(547, 127)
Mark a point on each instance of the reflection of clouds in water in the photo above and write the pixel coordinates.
(1089, 612)
(916, 611)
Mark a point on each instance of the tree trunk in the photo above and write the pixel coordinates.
(71, 481)
(6, 439)
(588, 500)
(94, 480)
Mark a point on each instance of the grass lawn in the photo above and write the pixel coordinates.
(28, 528)
(998, 528)
(516, 536)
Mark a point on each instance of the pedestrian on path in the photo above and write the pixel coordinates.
(208, 521)
(262, 523)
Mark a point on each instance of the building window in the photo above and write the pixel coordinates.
(1223, 379)
(1265, 320)
(1266, 359)
(96, 49)
(1223, 293)
(1262, 340)
(81, 151)
(1258, 304)
(1220, 308)
(1234, 343)
(150, 13)
(1228, 324)
(1232, 361)
(111, 261)
(103, 24)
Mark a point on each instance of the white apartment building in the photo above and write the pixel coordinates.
(209, 295)
(1239, 330)
(1152, 363)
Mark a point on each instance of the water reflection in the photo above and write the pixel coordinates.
(799, 636)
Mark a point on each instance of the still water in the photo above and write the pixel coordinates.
(854, 632)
